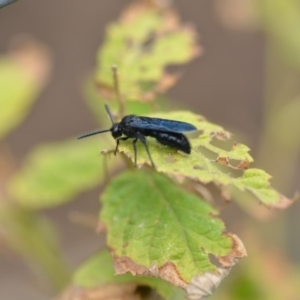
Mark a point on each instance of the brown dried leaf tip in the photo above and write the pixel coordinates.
(243, 165)
(222, 135)
(223, 160)
(285, 202)
(203, 286)
(167, 272)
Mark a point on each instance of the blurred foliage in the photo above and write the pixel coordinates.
(39, 184)
(280, 20)
(142, 43)
(89, 275)
(35, 240)
(31, 236)
(14, 102)
(95, 102)
(267, 274)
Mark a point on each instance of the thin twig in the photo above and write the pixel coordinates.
(117, 91)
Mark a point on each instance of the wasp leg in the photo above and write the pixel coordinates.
(135, 151)
(118, 141)
(143, 139)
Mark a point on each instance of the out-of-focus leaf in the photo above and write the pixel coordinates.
(280, 136)
(54, 173)
(157, 229)
(142, 44)
(17, 93)
(281, 19)
(96, 103)
(33, 238)
(22, 75)
(208, 162)
(98, 271)
(273, 281)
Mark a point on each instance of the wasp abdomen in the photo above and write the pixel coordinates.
(173, 140)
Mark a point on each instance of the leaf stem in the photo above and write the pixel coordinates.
(117, 90)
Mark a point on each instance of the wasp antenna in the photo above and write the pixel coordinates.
(92, 133)
(109, 113)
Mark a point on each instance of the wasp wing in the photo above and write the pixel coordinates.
(161, 125)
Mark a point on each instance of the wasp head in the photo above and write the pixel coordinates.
(116, 130)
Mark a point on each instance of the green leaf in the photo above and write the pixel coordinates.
(153, 223)
(142, 44)
(55, 173)
(98, 270)
(17, 93)
(34, 238)
(257, 181)
(206, 162)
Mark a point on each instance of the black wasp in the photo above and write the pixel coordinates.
(166, 132)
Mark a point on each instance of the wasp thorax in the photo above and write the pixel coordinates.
(116, 131)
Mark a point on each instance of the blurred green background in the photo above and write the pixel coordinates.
(247, 81)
